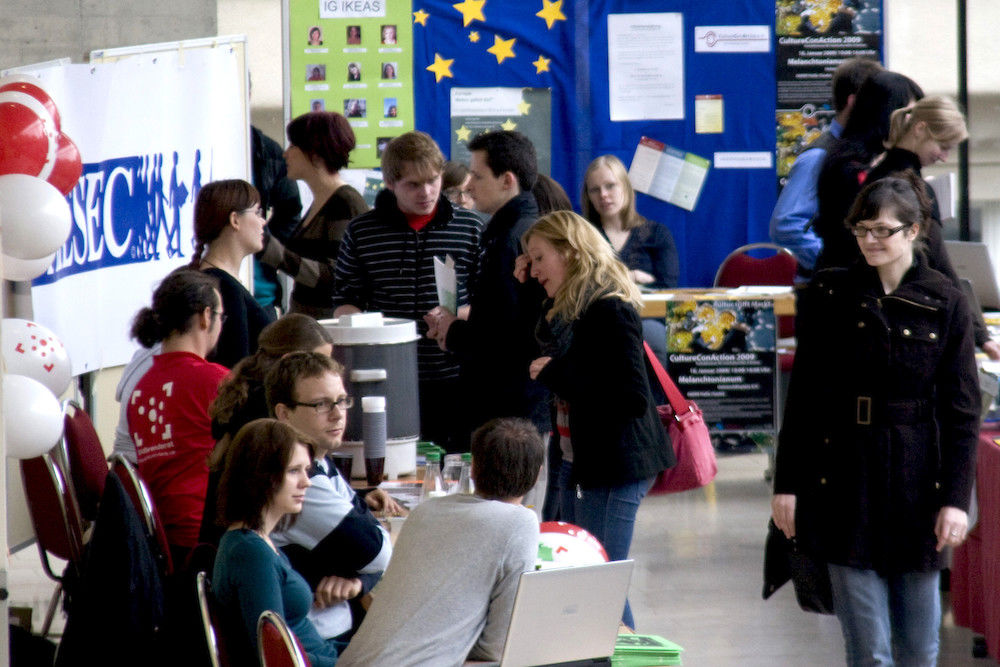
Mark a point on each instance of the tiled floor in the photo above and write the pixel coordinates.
(697, 581)
(699, 577)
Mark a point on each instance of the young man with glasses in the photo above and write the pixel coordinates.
(336, 542)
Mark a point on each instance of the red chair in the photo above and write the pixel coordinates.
(277, 645)
(211, 622)
(55, 517)
(143, 502)
(88, 467)
(778, 267)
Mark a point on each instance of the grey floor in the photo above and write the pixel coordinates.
(698, 581)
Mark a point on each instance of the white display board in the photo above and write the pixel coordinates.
(153, 124)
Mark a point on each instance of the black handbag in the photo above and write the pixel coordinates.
(784, 560)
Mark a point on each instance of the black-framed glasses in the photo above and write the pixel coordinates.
(324, 405)
(222, 316)
(878, 232)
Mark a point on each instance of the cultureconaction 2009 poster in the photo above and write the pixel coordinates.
(813, 37)
(354, 57)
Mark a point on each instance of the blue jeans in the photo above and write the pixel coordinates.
(887, 620)
(607, 513)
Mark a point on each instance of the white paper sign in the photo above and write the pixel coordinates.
(646, 66)
(732, 39)
(743, 159)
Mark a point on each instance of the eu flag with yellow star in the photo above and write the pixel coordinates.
(492, 64)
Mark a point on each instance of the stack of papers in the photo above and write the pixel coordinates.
(645, 651)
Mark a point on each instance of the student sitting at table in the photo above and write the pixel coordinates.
(449, 589)
(264, 479)
(336, 543)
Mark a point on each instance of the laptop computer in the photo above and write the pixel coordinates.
(567, 616)
(972, 261)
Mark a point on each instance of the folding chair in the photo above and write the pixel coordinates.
(143, 502)
(741, 268)
(211, 623)
(88, 467)
(55, 517)
(277, 646)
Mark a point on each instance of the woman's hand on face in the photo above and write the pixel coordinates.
(951, 528)
(537, 365)
(783, 513)
(522, 268)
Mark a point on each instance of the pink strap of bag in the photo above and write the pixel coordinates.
(688, 432)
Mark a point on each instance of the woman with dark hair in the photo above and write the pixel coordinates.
(228, 227)
(850, 158)
(241, 395)
(877, 451)
(315, 36)
(319, 145)
(550, 195)
(388, 71)
(606, 424)
(455, 184)
(168, 409)
(264, 480)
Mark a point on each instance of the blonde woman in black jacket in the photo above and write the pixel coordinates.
(876, 454)
(612, 442)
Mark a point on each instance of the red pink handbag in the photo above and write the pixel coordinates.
(688, 432)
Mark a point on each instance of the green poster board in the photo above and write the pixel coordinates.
(354, 57)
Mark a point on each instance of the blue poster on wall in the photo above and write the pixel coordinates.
(725, 109)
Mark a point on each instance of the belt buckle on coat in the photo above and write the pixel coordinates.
(864, 410)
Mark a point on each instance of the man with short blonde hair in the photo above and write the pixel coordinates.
(386, 264)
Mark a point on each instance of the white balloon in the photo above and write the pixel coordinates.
(32, 350)
(33, 419)
(34, 216)
(25, 269)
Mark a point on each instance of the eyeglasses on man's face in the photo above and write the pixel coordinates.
(879, 232)
(325, 405)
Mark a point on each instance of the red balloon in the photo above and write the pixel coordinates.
(68, 167)
(25, 142)
(36, 91)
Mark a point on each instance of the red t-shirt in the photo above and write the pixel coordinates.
(168, 421)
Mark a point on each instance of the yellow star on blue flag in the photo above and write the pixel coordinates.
(502, 48)
(471, 10)
(551, 12)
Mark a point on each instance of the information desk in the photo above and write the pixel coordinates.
(975, 568)
(722, 351)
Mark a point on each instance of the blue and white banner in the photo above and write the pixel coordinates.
(152, 129)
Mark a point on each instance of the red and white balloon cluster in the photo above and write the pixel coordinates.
(39, 166)
(38, 370)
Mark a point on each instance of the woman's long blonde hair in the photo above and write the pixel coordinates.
(945, 121)
(593, 271)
